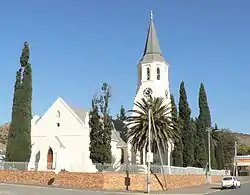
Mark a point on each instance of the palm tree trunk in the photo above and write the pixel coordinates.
(159, 149)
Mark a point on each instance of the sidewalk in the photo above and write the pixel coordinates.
(202, 189)
(194, 190)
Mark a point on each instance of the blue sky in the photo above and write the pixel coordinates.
(75, 45)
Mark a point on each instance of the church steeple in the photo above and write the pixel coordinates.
(152, 51)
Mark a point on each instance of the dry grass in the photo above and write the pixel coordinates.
(243, 138)
(4, 129)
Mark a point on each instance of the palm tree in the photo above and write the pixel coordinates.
(162, 124)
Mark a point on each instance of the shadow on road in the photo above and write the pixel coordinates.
(215, 188)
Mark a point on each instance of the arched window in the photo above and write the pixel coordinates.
(148, 73)
(158, 73)
(58, 114)
(50, 158)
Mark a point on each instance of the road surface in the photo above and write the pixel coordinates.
(244, 190)
(12, 189)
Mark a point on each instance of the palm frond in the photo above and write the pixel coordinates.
(165, 125)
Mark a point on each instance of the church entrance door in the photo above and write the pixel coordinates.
(50, 159)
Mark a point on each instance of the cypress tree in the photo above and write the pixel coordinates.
(219, 155)
(96, 134)
(177, 154)
(26, 111)
(121, 117)
(104, 101)
(108, 127)
(204, 122)
(122, 114)
(12, 151)
(19, 139)
(200, 156)
(187, 134)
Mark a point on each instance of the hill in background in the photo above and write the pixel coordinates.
(4, 129)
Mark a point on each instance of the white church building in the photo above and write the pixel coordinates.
(60, 138)
(152, 77)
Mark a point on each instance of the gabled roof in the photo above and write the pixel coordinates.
(118, 126)
(80, 112)
(115, 135)
(152, 51)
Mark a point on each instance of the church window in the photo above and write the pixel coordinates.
(148, 73)
(58, 114)
(158, 73)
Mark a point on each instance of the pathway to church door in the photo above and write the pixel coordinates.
(50, 159)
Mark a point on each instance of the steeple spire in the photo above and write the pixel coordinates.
(151, 15)
(152, 51)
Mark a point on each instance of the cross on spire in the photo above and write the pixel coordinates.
(151, 15)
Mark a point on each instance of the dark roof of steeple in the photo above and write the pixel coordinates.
(152, 51)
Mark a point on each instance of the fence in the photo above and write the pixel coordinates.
(134, 168)
(158, 169)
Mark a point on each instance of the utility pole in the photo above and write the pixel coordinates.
(209, 154)
(209, 130)
(235, 156)
(148, 93)
(149, 153)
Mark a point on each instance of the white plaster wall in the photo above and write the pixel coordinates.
(42, 144)
(73, 134)
(116, 153)
(158, 86)
(69, 123)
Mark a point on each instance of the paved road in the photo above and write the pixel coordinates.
(12, 189)
(9, 189)
(244, 190)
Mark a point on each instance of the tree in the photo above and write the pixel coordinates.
(138, 124)
(26, 102)
(219, 156)
(187, 134)
(161, 124)
(12, 153)
(19, 143)
(203, 123)
(200, 156)
(121, 117)
(228, 140)
(216, 146)
(26, 112)
(101, 125)
(107, 122)
(96, 134)
(177, 154)
(243, 149)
